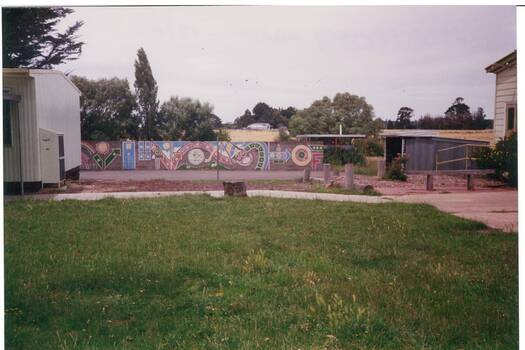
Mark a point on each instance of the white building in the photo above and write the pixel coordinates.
(259, 126)
(41, 123)
(506, 106)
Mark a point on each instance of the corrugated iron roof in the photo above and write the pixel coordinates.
(502, 63)
(474, 135)
(353, 136)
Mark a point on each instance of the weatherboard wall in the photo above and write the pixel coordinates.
(25, 114)
(506, 94)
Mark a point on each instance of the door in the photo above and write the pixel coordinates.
(128, 155)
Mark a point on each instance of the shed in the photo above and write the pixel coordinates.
(331, 139)
(506, 96)
(41, 123)
(434, 149)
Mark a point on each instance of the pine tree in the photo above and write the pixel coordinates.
(32, 41)
(146, 91)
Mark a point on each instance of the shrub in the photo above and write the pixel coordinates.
(503, 159)
(370, 146)
(396, 171)
(284, 135)
(343, 155)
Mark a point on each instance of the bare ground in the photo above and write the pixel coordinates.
(414, 185)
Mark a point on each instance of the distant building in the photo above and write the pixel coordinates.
(506, 100)
(41, 116)
(259, 126)
(435, 149)
(246, 135)
(331, 139)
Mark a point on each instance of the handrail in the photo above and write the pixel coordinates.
(466, 158)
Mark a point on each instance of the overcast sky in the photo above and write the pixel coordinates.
(234, 57)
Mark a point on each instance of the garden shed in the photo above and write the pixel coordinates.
(435, 149)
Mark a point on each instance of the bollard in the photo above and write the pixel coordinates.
(430, 182)
(381, 168)
(306, 175)
(327, 174)
(470, 182)
(349, 176)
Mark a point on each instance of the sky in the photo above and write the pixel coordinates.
(234, 57)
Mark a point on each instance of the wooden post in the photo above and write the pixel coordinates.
(470, 182)
(327, 174)
(349, 176)
(306, 175)
(430, 182)
(381, 168)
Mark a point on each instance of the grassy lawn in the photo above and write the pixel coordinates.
(203, 273)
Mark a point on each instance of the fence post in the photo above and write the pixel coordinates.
(327, 174)
(381, 168)
(349, 176)
(306, 174)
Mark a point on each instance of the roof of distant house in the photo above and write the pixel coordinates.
(324, 136)
(259, 126)
(502, 63)
(473, 135)
(247, 135)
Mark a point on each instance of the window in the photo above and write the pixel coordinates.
(8, 140)
(511, 118)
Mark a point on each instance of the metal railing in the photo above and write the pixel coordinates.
(466, 158)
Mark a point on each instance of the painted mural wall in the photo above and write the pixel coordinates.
(185, 155)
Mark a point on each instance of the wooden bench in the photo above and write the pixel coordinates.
(470, 175)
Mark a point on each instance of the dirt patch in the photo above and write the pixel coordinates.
(415, 184)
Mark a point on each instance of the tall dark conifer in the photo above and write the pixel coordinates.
(146, 91)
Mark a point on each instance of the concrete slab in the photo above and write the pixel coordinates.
(216, 194)
(496, 209)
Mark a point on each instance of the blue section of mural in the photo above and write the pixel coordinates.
(128, 155)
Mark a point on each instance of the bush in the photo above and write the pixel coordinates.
(343, 155)
(370, 147)
(503, 159)
(284, 135)
(396, 171)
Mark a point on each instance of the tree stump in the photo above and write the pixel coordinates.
(234, 189)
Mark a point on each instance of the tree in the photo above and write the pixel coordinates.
(404, 116)
(106, 109)
(263, 113)
(352, 112)
(479, 120)
(186, 119)
(31, 39)
(458, 115)
(146, 91)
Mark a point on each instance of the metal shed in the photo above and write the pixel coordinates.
(431, 150)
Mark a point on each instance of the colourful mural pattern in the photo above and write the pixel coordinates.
(181, 155)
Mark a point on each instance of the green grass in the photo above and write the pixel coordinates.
(248, 273)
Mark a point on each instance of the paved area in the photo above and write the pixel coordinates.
(497, 209)
(187, 175)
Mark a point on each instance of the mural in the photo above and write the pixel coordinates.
(181, 155)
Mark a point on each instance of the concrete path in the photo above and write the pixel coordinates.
(216, 194)
(496, 209)
(193, 175)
